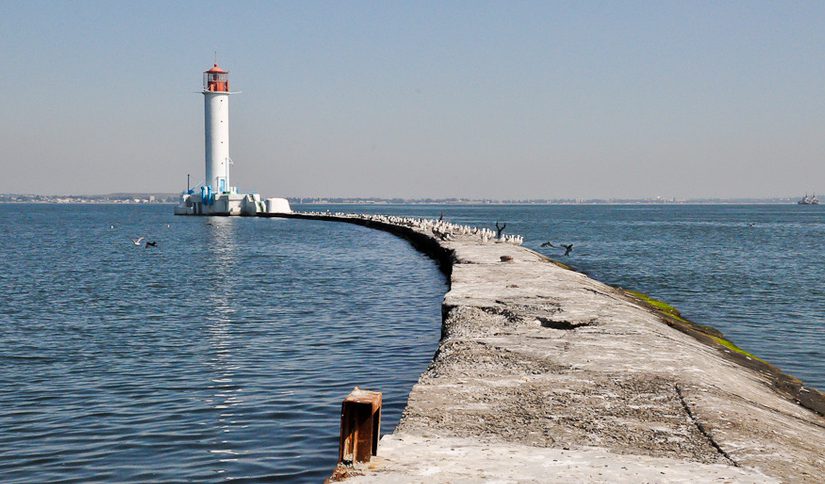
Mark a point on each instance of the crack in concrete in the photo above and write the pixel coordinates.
(701, 428)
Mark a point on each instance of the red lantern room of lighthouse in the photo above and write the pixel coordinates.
(216, 80)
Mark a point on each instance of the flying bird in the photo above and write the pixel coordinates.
(151, 244)
(137, 240)
(568, 248)
(548, 244)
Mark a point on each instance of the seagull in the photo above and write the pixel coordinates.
(548, 244)
(567, 248)
(168, 226)
(151, 244)
(112, 226)
(137, 240)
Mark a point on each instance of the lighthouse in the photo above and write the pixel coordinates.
(216, 129)
(215, 196)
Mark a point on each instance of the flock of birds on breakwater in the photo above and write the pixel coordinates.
(438, 227)
(445, 230)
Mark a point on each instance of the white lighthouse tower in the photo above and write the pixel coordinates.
(216, 129)
(215, 196)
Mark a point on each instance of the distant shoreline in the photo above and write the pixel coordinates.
(169, 198)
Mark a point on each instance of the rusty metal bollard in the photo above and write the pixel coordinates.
(360, 426)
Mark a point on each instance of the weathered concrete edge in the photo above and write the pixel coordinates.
(425, 244)
(784, 384)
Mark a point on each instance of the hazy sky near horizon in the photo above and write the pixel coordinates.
(506, 99)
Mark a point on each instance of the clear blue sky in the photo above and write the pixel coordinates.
(414, 99)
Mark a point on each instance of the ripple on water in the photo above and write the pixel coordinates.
(223, 355)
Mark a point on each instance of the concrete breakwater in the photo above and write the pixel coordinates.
(544, 374)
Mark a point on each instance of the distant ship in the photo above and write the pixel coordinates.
(808, 200)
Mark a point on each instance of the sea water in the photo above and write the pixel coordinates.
(224, 353)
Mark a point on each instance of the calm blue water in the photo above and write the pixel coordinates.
(222, 354)
(206, 362)
(762, 285)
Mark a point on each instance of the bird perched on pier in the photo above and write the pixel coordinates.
(137, 240)
(548, 244)
(500, 229)
(153, 243)
(568, 248)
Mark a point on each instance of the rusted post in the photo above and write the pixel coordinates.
(360, 426)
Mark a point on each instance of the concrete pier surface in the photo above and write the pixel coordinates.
(543, 374)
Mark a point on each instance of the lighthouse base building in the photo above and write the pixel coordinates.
(215, 196)
(230, 204)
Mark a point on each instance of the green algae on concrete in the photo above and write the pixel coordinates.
(788, 385)
(658, 304)
(729, 345)
(714, 334)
